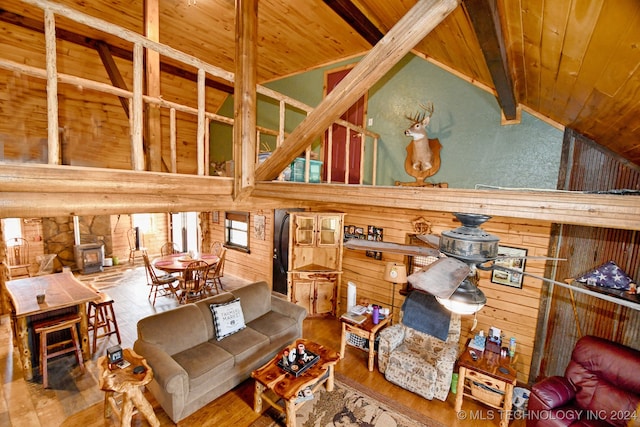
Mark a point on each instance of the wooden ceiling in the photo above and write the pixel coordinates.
(575, 62)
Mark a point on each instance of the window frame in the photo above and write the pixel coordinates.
(230, 218)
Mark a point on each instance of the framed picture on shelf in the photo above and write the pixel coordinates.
(375, 234)
(517, 263)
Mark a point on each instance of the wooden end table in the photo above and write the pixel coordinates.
(366, 330)
(285, 386)
(489, 370)
(125, 382)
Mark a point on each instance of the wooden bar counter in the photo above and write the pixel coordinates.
(62, 290)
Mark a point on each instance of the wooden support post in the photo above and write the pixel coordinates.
(152, 80)
(201, 121)
(53, 144)
(244, 129)
(137, 148)
(172, 142)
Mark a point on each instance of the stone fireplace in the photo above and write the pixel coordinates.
(59, 237)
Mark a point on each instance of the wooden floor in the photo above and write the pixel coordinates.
(78, 401)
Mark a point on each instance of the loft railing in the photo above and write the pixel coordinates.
(136, 99)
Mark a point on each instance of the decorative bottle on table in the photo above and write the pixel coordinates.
(376, 314)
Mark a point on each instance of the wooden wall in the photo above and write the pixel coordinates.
(513, 310)
(253, 266)
(589, 167)
(85, 116)
(153, 241)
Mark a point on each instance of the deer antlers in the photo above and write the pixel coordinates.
(421, 116)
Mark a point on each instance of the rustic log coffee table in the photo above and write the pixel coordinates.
(274, 383)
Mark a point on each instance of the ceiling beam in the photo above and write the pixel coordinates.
(118, 52)
(486, 23)
(356, 19)
(408, 31)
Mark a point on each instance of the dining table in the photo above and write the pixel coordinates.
(62, 291)
(177, 263)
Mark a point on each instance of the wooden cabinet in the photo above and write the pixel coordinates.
(315, 291)
(315, 260)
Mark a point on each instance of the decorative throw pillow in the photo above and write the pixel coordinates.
(608, 275)
(227, 318)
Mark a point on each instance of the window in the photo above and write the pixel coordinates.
(144, 222)
(236, 228)
(184, 230)
(12, 228)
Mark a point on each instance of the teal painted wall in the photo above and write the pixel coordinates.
(476, 148)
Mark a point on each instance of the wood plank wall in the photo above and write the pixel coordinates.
(253, 266)
(588, 166)
(153, 241)
(513, 310)
(85, 115)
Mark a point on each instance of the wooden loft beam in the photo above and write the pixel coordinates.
(486, 23)
(408, 31)
(356, 19)
(594, 210)
(118, 52)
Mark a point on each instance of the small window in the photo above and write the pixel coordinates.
(12, 228)
(236, 226)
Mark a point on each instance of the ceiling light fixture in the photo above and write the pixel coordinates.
(467, 299)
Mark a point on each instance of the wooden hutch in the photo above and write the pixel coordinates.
(315, 260)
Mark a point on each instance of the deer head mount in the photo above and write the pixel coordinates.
(423, 154)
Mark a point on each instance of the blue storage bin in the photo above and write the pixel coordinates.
(297, 170)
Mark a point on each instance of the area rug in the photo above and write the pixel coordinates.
(115, 276)
(349, 404)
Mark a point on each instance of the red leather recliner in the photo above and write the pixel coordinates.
(600, 387)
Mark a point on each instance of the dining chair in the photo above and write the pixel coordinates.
(216, 247)
(18, 254)
(169, 248)
(214, 281)
(136, 244)
(160, 285)
(193, 282)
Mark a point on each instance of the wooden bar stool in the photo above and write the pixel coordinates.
(48, 326)
(101, 319)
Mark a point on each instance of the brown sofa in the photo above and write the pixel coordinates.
(600, 387)
(192, 368)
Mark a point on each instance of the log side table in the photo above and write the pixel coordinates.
(479, 378)
(366, 330)
(128, 384)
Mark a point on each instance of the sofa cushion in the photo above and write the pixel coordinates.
(174, 330)
(244, 344)
(255, 299)
(227, 318)
(204, 362)
(280, 329)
